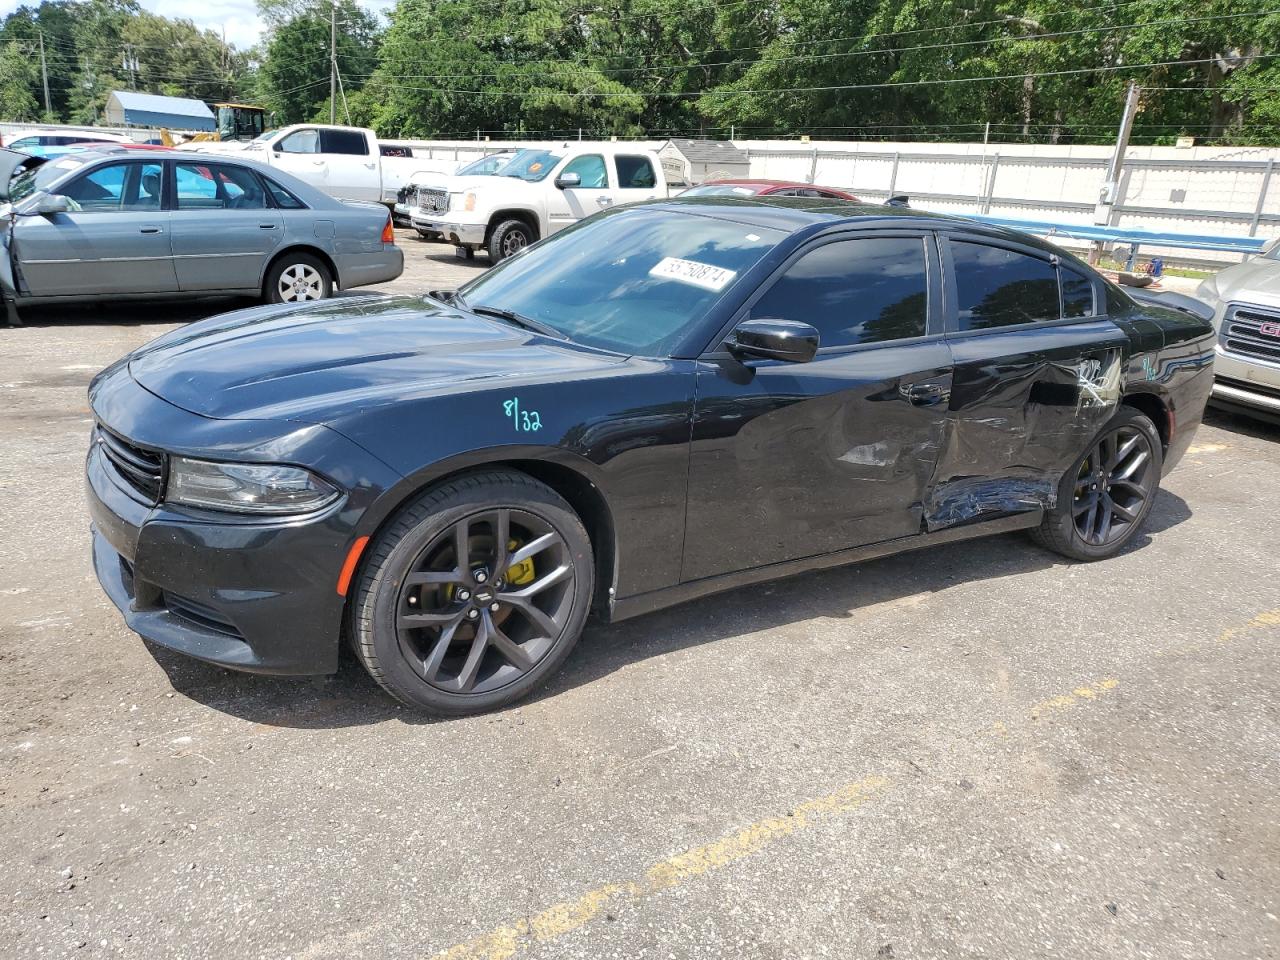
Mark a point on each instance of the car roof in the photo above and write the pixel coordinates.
(750, 182)
(796, 214)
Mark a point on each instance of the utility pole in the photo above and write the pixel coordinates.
(44, 74)
(1111, 188)
(333, 62)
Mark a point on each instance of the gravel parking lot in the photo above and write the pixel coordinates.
(979, 751)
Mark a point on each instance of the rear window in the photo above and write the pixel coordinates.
(1077, 293)
(282, 197)
(350, 142)
(998, 287)
(635, 172)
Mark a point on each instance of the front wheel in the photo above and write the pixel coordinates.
(1105, 498)
(474, 594)
(296, 278)
(509, 238)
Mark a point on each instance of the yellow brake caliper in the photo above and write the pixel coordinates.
(521, 573)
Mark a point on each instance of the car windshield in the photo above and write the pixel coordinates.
(633, 282)
(484, 167)
(530, 165)
(29, 181)
(720, 190)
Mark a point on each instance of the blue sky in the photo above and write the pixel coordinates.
(238, 17)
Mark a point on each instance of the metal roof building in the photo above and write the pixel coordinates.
(700, 160)
(125, 108)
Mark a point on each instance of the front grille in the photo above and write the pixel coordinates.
(143, 470)
(200, 615)
(433, 201)
(1242, 332)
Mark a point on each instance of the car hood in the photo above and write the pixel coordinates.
(1255, 281)
(317, 363)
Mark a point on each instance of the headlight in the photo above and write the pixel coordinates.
(246, 487)
(462, 201)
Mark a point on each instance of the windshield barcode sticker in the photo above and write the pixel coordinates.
(691, 271)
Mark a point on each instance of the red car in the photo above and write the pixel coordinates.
(766, 188)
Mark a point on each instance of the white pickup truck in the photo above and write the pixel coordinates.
(345, 162)
(537, 193)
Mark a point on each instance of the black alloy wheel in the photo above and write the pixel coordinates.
(474, 594)
(485, 601)
(1112, 486)
(1106, 496)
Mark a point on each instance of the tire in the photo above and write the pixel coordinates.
(428, 235)
(508, 238)
(1107, 495)
(311, 279)
(419, 617)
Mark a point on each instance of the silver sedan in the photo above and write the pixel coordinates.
(117, 223)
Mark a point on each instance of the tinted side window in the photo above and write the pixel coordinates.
(591, 169)
(300, 141)
(1077, 294)
(344, 141)
(996, 287)
(855, 291)
(636, 172)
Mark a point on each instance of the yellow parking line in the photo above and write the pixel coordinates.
(563, 918)
(1268, 618)
(556, 921)
(1065, 700)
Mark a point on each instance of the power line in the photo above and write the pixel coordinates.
(849, 53)
(733, 91)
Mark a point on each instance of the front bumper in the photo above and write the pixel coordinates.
(249, 596)
(1247, 385)
(249, 593)
(463, 234)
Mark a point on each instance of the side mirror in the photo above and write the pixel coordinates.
(52, 203)
(901, 200)
(567, 181)
(788, 340)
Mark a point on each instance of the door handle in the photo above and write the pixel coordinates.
(368, 166)
(317, 163)
(604, 201)
(266, 226)
(150, 230)
(925, 394)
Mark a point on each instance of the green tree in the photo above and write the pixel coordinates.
(293, 78)
(18, 74)
(54, 19)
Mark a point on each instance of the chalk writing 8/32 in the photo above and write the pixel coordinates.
(523, 420)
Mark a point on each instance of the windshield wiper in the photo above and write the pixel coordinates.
(519, 320)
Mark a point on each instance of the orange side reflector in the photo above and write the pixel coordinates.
(349, 568)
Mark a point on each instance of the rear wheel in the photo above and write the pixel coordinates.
(1105, 498)
(508, 238)
(296, 278)
(474, 594)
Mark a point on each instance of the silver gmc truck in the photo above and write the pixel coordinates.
(1246, 303)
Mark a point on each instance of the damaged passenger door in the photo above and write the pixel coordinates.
(1036, 374)
(798, 459)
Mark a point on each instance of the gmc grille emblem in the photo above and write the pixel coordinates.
(1271, 329)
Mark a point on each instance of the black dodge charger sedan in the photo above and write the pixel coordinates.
(657, 403)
